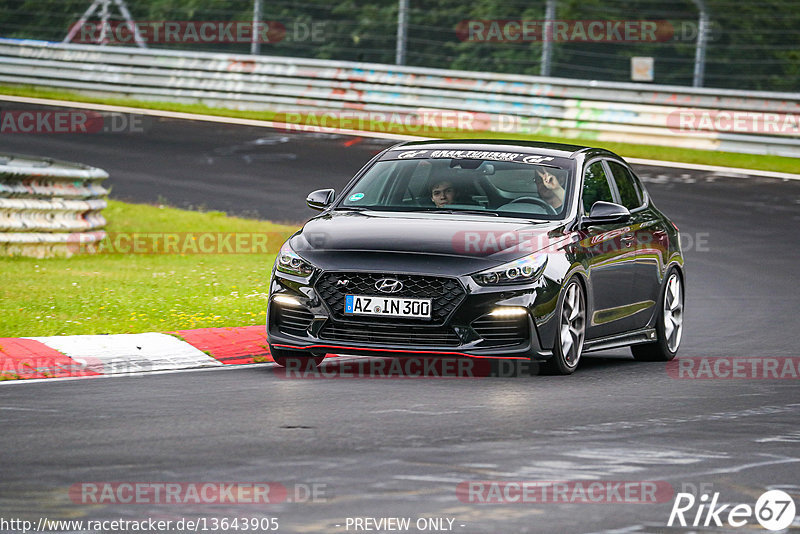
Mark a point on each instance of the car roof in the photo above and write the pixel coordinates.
(539, 147)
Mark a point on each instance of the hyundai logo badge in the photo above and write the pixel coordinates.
(388, 285)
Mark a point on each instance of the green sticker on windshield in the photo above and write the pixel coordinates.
(356, 197)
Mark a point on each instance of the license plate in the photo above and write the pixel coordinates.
(387, 306)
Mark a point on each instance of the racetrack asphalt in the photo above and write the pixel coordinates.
(399, 447)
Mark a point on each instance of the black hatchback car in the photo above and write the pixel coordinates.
(497, 249)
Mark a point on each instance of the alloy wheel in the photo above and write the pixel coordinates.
(673, 312)
(573, 322)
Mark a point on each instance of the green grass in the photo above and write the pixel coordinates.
(129, 293)
(727, 159)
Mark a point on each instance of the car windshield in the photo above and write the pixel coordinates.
(482, 186)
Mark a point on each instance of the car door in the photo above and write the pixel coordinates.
(648, 231)
(610, 257)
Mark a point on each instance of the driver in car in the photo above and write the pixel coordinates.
(551, 187)
(443, 193)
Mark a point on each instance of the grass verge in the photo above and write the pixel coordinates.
(726, 159)
(130, 293)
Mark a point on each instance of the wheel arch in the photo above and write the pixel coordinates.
(678, 266)
(583, 279)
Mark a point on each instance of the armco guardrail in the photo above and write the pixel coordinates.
(47, 206)
(712, 119)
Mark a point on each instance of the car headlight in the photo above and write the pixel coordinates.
(289, 262)
(521, 271)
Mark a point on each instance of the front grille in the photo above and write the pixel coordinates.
(390, 334)
(447, 294)
(292, 320)
(502, 331)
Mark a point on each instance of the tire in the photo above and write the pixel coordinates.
(568, 345)
(295, 359)
(669, 323)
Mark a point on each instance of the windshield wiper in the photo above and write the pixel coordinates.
(350, 208)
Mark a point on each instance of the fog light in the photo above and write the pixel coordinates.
(508, 311)
(286, 299)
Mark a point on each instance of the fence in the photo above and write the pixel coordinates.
(46, 205)
(590, 112)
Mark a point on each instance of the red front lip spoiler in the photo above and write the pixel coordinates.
(449, 353)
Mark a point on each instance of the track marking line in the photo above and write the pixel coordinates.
(135, 375)
(206, 118)
(356, 133)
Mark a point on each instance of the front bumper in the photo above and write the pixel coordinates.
(460, 325)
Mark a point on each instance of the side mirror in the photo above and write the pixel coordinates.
(320, 199)
(607, 212)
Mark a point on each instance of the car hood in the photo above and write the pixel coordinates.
(420, 242)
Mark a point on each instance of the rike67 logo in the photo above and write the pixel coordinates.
(774, 510)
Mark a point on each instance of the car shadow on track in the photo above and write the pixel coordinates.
(416, 367)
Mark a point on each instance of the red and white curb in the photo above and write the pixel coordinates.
(123, 354)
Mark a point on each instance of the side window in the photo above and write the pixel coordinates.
(595, 186)
(629, 194)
